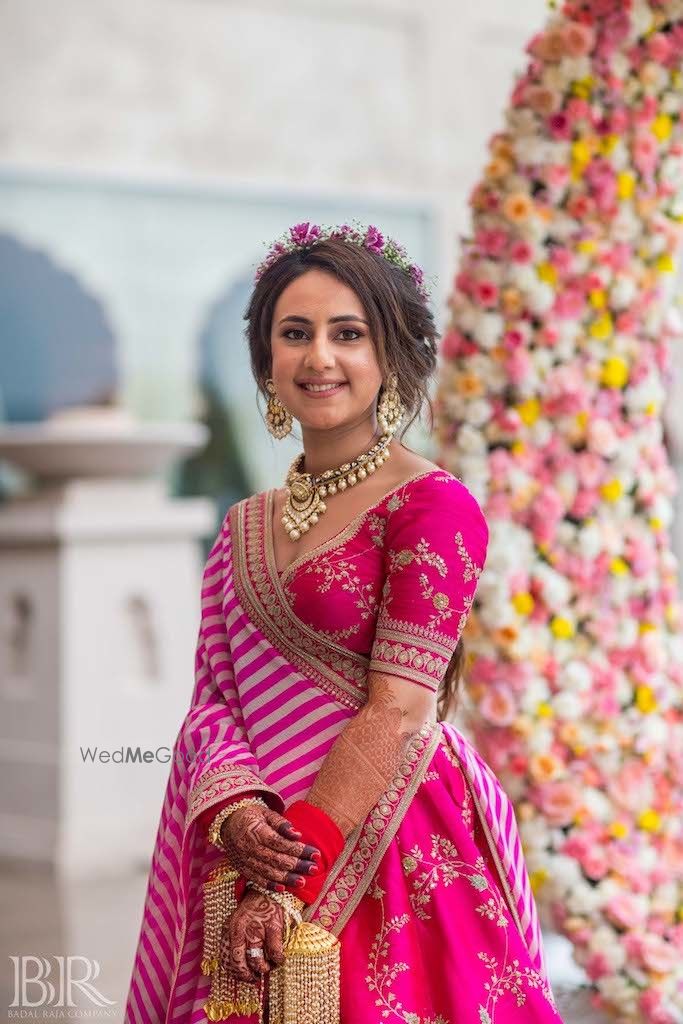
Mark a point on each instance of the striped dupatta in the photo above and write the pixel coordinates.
(270, 697)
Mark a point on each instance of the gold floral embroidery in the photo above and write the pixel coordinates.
(338, 670)
(472, 571)
(225, 781)
(444, 869)
(382, 974)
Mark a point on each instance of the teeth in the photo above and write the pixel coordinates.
(320, 387)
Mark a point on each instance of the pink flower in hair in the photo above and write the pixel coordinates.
(374, 239)
(304, 233)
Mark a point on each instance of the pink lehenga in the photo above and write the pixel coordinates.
(430, 897)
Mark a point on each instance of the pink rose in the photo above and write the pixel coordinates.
(498, 705)
(521, 252)
(658, 955)
(578, 39)
(659, 47)
(624, 911)
(486, 293)
(559, 801)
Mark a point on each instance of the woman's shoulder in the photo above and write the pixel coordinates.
(434, 487)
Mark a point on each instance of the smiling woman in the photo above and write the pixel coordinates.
(338, 828)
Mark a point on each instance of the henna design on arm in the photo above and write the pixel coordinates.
(366, 755)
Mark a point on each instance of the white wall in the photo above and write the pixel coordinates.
(385, 96)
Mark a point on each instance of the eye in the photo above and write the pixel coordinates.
(292, 330)
(350, 330)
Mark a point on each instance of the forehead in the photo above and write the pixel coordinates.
(317, 291)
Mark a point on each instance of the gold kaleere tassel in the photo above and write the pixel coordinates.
(305, 989)
(228, 996)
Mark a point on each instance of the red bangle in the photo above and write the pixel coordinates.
(317, 829)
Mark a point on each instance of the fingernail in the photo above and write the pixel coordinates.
(300, 882)
(294, 833)
(313, 870)
(279, 888)
(316, 856)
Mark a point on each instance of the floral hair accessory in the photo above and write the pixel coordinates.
(303, 236)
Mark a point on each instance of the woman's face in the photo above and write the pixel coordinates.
(320, 334)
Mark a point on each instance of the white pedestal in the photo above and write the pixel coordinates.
(99, 611)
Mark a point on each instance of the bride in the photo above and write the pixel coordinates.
(330, 849)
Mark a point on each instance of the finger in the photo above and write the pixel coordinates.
(282, 825)
(275, 866)
(236, 961)
(270, 878)
(274, 840)
(273, 942)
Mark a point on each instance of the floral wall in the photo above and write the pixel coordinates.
(554, 372)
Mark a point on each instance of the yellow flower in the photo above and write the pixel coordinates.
(665, 263)
(582, 419)
(626, 184)
(618, 830)
(612, 490)
(656, 523)
(602, 327)
(614, 372)
(582, 87)
(607, 144)
(661, 127)
(544, 710)
(652, 408)
(645, 700)
(523, 603)
(517, 447)
(529, 411)
(618, 567)
(547, 272)
(649, 820)
(646, 627)
(582, 151)
(562, 628)
(537, 879)
(598, 299)
(587, 245)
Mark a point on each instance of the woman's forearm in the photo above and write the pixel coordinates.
(366, 755)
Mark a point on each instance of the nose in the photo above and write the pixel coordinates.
(319, 354)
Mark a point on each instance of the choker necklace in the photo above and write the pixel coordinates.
(305, 491)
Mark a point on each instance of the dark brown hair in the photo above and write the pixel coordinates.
(401, 326)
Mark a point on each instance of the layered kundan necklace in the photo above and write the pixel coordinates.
(306, 491)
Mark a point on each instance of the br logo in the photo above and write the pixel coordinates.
(52, 981)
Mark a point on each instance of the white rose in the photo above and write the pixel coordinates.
(568, 706)
(488, 329)
(478, 412)
(622, 291)
(576, 676)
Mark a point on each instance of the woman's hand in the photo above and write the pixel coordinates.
(263, 846)
(258, 923)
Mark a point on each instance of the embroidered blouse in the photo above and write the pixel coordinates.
(397, 583)
(390, 592)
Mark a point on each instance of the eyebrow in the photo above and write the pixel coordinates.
(332, 320)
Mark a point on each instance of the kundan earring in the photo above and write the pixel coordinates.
(278, 419)
(390, 409)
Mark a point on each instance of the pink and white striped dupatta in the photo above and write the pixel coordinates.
(430, 897)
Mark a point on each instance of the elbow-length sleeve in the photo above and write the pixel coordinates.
(434, 551)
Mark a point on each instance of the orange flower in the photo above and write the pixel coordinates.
(469, 385)
(544, 767)
(518, 206)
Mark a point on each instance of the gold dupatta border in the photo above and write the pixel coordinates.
(216, 784)
(350, 878)
(338, 671)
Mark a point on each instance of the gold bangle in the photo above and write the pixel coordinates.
(223, 815)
